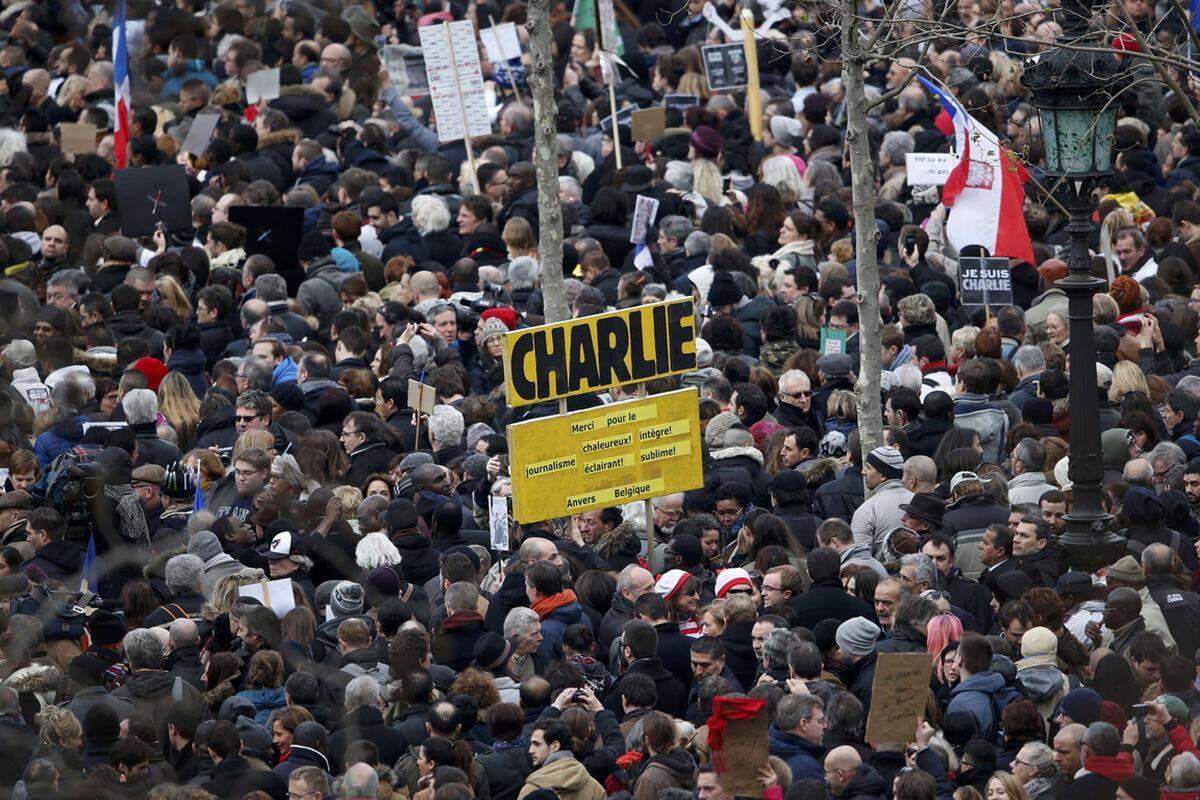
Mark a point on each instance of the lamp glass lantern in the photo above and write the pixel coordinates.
(1077, 131)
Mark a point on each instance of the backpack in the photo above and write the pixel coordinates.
(1000, 700)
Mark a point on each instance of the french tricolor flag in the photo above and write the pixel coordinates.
(121, 84)
(984, 191)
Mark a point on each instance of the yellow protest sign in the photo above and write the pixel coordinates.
(634, 450)
(594, 353)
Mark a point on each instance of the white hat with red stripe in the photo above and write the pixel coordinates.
(729, 578)
(670, 582)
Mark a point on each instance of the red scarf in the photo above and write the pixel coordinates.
(934, 366)
(725, 710)
(544, 606)
(1116, 768)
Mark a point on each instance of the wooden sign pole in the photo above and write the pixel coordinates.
(612, 76)
(462, 109)
(753, 92)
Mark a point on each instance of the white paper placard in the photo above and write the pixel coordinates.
(501, 42)
(929, 169)
(498, 522)
(608, 25)
(644, 211)
(279, 597)
(262, 85)
(458, 116)
(200, 133)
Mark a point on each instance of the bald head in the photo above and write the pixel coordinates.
(425, 284)
(54, 241)
(1121, 607)
(1138, 471)
(256, 308)
(335, 58)
(360, 780)
(841, 765)
(38, 81)
(183, 633)
(537, 549)
(920, 471)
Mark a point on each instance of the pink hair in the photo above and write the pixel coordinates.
(941, 631)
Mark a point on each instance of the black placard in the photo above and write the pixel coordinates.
(273, 231)
(984, 281)
(724, 66)
(151, 196)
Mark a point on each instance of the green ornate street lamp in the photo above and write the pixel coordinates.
(1073, 92)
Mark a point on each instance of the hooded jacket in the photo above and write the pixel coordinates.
(673, 770)
(319, 174)
(729, 460)
(619, 547)
(977, 413)
(566, 777)
(1044, 686)
(62, 436)
(802, 757)
(879, 514)
(59, 560)
(977, 696)
(191, 364)
(867, 784)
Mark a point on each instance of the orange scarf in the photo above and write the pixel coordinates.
(544, 606)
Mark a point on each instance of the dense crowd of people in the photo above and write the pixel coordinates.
(237, 564)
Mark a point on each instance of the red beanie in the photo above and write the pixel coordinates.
(506, 315)
(153, 369)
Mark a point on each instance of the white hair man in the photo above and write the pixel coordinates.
(141, 410)
(184, 576)
(446, 428)
(523, 625)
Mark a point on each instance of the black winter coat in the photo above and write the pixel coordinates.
(454, 647)
(366, 460)
(674, 651)
(840, 497)
(826, 599)
(419, 561)
(620, 612)
(507, 766)
(672, 697)
(235, 777)
(739, 651)
(366, 723)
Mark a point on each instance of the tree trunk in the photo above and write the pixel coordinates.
(545, 160)
(862, 181)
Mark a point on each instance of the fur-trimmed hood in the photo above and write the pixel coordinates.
(820, 472)
(734, 452)
(42, 680)
(97, 362)
(619, 540)
(272, 138)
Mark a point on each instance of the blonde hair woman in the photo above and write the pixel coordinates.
(263, 440)
(518, 235)
(1127, 377)
(225, 591)
(810, 316)
(72, 92)
(1005, 786)
(174, 296)
(179, 404)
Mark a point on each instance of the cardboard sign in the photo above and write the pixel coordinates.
(681, 101)
(151, 196)
(724, 66)
(272, 231)
(599, 457)
(649, 123)
(596, 352)
(406, 70)
(645, 209)
(455, 80)
(498, 522)
(898, 696)
(744, 753)
(929, 169)
(275, 595)
(421, 397)
(832, 341)
(200, 133)
(77, 137)
(984, 281)
(501, 42)
(262, 85)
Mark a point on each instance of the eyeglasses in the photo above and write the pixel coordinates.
(246, 418)
(245, 473)
(797, 395)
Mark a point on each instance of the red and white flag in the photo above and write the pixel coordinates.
(984, 191)
(121, 87)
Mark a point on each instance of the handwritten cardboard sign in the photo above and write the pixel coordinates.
(745, 752)
(77, 137)
(898, 696)
(649, 123)
(929, 169)
(421, 397)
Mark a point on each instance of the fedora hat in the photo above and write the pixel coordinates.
(925, 507)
